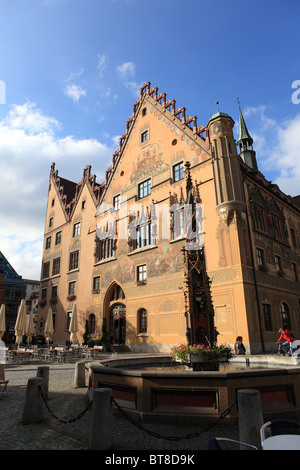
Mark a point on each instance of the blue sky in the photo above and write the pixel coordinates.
(72, 70)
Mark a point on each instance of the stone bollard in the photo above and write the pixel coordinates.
(102, 419)
(43, 373)
(33, 406)
(79, 378)
(250, 416)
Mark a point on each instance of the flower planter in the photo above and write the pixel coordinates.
(199, 363)
(202, 357)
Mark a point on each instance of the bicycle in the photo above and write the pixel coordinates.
(281, 350)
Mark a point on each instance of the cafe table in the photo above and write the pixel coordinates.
(282, 442)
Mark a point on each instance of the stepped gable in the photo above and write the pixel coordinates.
(187, 123)
(69, 191)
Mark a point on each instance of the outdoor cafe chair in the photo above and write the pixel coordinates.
(222, 443)
(287, 428)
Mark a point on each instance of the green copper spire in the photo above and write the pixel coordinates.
(245, 142)
(244, 135)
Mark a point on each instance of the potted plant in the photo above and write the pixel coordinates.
(71, 297)
(210, 356)
(202, 357)
(180, 353)
(42, 302)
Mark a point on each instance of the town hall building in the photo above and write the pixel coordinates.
(185, 240)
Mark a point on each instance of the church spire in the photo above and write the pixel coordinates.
(245, 142)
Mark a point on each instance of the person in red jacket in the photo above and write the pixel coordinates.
(288, 337)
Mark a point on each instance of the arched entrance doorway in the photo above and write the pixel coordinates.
(118, 324)
(114, 308)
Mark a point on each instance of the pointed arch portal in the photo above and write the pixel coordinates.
(118, 324)
(115, 308)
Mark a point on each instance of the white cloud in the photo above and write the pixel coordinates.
(28, 145)
(126, 72)
(30, 119)
(74, 75)
(277, 146)
(101, 64)
(74, 92)
(285, 156)
(260, 112)
(127, 69)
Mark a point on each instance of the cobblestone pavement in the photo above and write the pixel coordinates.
(67, 402)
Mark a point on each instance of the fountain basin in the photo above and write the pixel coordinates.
(201, 394)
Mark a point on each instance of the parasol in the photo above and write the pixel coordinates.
(73, 328)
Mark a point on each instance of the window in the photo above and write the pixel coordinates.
(50, 222)
(278, 263)
(105, 249)
(293, 237)
(58, 238)
(178, 171)
(69, 314)
(56, 267)
(92, 324)
(145, 188)
(142, 320)
(46, 270)
(72, 288)
(142, 274)
(48, 243)
(96, 284)
(295, 271)
(54, 318)
(277, 227)
(52, 202)
(76, 229)
(83, 205)
(54, 293)
(177, 226)
(44, 293)
(285, 316)
(260, 258)
(259, 218)
(144, 136)
(144, 111)
(74, 260)
(267, 317)
(117, 202)
(143, 236)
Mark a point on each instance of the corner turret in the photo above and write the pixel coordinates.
(225, 164)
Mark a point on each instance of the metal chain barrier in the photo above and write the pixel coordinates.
(64, 421)
(135, 423)
(172, 438)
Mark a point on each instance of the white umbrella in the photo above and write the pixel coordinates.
(30, 327)
(48, 330)
(2, 320)
(20, 326)
(73, 328)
